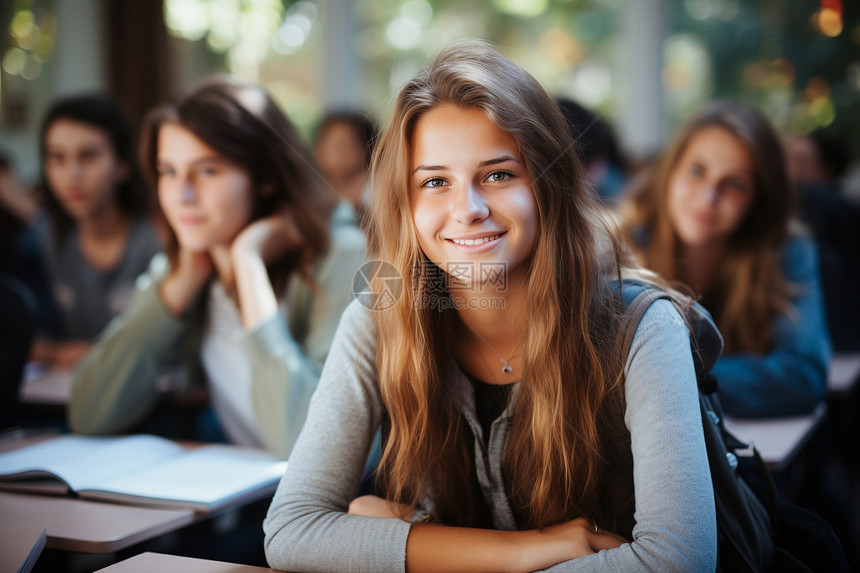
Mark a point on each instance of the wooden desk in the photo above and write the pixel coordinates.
(843, 373)
(20, 547)
(89, 526)
(778, 439)
(148, 562)
(52, 387)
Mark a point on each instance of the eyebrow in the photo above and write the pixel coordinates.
(198, 161)
(485, 163)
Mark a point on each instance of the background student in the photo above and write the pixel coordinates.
(259, 264)
(343, 147)
(500, 394)
(817, 163)
(714, 215)
(98, 238)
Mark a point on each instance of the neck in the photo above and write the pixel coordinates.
(108, 222)
(495, 318)
(699, 265)
(352, 188)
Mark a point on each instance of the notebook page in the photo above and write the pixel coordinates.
(85, 461)
(207, 477)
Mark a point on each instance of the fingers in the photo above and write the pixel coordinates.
(604, 540)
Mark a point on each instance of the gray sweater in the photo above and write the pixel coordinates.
(307, 528)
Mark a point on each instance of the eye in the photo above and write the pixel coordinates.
(499, 176)
(164, 172)
(696, 169)
(434, 183)
(737, 186)
(207, 170)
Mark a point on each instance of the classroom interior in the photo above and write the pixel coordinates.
(638, 69)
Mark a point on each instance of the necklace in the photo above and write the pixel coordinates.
(506, 366)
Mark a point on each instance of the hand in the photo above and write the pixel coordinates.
(268, 238)
(372, 506)
(193, 269)
(564, 542)
(63, 355)
(68, 354)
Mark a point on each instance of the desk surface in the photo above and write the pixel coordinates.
(148, 562)
(843, 373)
(89, 526)
(20, 547)
(41, 386)
(778, 439)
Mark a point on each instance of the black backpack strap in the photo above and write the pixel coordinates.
(637, 298)
(744, 521)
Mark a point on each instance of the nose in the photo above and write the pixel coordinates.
(469, 205)
(76, 169)
(187, 194)
(710, 193)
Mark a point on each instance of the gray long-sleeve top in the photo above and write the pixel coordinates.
(307, 528)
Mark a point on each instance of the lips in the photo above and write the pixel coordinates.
(190, 221)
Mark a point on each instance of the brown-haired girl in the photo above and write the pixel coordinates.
(493, 371)
(249, 219)
(98, 238)
(714, 215)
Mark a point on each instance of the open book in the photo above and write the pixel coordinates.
(142, 469)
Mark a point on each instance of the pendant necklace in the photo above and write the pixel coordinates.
(506, 365)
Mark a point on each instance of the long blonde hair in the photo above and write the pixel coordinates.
(571, 400)
(749, 290)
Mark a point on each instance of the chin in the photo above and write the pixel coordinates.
(193, 244)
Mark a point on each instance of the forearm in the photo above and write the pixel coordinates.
(779, 384)
(443, 548)
(284, 381)
(257, 300)
(115, 385)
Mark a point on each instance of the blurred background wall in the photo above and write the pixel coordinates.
(641, 64)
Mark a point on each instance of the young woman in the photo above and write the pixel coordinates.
(343, 147)
(98, 238)
(493, 374)
(249, 220)
(714, 215)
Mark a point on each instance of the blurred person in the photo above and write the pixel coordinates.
(257, 272)
(98, 237)
(714, 214)
(598, 149)
(816, 158)
(817, 163)
(343, 148)
(20, 250)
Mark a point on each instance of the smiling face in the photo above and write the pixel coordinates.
(711, 188)
(206, 198)
(471, 193)
(81, 167)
